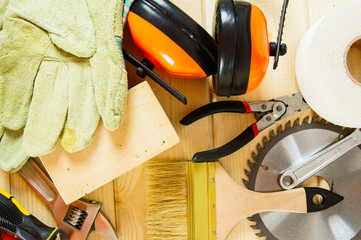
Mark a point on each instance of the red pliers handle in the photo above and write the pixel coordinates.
(232, 146)
(267, 113)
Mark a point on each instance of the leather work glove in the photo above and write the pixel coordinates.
(3, 4)
(110, 77)
(12, 155)
(56, 76)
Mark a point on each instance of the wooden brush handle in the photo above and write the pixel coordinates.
(234, 202)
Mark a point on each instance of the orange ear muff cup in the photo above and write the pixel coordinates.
(260, 49)
(182, 30)
(232, 33)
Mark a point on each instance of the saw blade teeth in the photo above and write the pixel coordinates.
(250, 219)
(318, 119)
(254, 155)
(259, 147)
(289, 123)
(245, 182)
(272, 134)
(265, 140)
(325, 121)
(250, 164)
(260, 234)
(253, 226)
(297, 122)
(307, 119)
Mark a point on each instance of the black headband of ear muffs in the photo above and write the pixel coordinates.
(182, 29)
(232, 33)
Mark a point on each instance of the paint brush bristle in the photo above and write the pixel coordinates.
(166, 199)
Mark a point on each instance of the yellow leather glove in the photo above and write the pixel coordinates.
(3, 4)
(110, 80)
(53, 93)
(25, 42)
(12, 155)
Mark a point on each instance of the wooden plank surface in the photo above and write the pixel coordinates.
(124, 197)
(145, 132)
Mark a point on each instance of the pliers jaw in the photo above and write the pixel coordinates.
(267, 118)
(266, 113)
(294, 103)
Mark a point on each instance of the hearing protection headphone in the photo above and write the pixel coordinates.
(237, 56)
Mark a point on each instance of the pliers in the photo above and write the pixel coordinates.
(266, 112)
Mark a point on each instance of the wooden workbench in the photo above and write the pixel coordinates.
(123, 199)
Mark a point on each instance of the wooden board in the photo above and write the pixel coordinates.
(145, 133)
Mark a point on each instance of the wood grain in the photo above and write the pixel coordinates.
(124, 198)
(234, 202)
(144, 133)
(276, 83)
(193, 137)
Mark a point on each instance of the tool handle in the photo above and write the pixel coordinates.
(216, 107)
(16, 219)
(155, 77)
(241, 140)
(5, 236)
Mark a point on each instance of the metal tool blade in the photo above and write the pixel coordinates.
(291, 147)
(294, 103)
(104, 228)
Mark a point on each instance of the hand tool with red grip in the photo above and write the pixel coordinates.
(267, 113)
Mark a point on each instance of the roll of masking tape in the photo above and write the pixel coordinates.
(328, 65)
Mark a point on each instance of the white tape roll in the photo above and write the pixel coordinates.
(328, 65)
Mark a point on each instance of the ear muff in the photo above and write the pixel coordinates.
(243, 49)
(232, 33)
(185, 48)
(224, 29)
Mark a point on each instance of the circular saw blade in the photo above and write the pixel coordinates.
(292, 146)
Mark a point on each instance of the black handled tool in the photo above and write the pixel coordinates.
(17, 220)
(266, 111)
